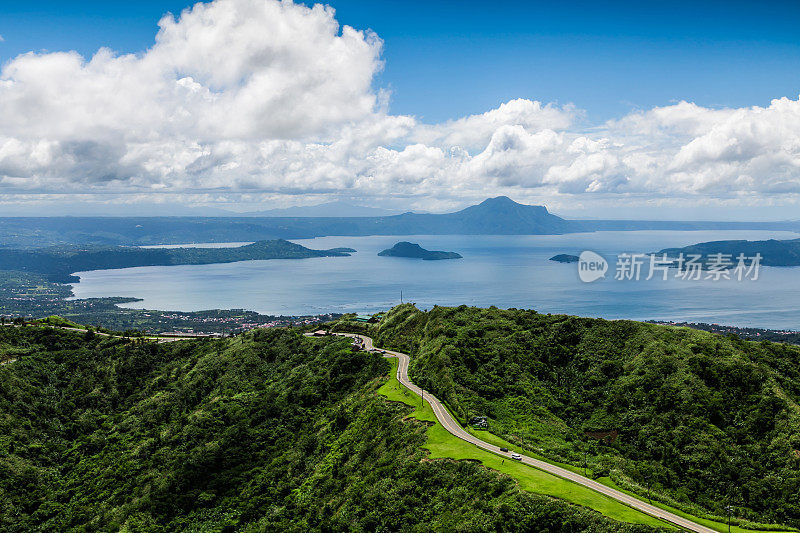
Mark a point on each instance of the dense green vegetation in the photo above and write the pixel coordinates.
(443, 444)
(415, 251)
(754, 334)
(269, 431)
(58, 263)
(703, 421)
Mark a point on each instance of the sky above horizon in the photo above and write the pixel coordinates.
(677, 110)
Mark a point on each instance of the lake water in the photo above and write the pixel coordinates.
(506, 271)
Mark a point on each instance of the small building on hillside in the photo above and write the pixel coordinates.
(479, 422)
(320, 333)
(365, 319)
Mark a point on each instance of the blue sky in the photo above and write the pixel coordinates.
(448, 59)
(641, 109)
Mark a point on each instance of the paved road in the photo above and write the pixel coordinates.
(159, 340)
(451, 425)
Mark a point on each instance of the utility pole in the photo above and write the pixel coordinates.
(585, 465)
(729, 510)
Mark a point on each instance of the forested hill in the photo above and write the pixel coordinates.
(773, 252)
(415, 251)
(58, 263)
(267, 432)
(704, 421)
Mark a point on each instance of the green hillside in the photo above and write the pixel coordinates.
(697, 420)
(270, 431)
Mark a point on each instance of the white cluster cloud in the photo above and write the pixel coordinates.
(219, 82)
(272, 97)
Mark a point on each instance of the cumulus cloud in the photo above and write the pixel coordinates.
(231, 71)
(275, 98)
(475, 131)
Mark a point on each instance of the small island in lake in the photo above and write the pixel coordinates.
(413, 250)
(565, 258)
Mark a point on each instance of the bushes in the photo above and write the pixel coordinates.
(265, 432)
(710, 419)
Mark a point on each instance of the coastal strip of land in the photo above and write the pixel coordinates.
(59, 263)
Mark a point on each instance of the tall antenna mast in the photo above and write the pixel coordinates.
(401, 296)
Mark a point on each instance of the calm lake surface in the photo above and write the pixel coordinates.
(506, 271)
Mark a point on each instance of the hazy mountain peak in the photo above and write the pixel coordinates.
(504, 203)
(504, 206)
(500, 200)
(502, 215)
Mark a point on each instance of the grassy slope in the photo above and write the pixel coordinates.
(269, 431)
(605, 480)
(444, 445)
(718, 526)
(705, 416)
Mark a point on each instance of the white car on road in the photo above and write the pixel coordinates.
(516, 456)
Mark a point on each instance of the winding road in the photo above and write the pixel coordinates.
(451, 425)
(158, 339)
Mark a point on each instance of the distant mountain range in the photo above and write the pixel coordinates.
(495, 216)
(330, 209)
(67, 209)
